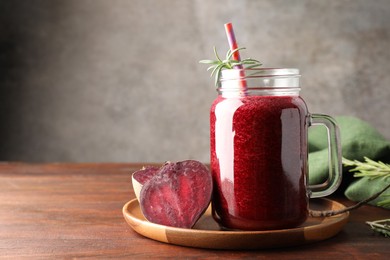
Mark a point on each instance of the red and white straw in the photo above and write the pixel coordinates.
(232, 42)
(236, 55)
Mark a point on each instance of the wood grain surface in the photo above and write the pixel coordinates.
(57, 211)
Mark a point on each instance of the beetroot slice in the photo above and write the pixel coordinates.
(145, 174)
(140, 177)
(177, 195)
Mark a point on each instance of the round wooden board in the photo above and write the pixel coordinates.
(207, 233)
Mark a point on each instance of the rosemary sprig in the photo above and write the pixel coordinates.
(374, 170)
(370, 168)
(380, 226)
(228, 63)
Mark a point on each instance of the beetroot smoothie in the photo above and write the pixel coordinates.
(259, 161)
(258, 145)
(258, 148)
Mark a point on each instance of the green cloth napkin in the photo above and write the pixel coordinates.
(358, 140)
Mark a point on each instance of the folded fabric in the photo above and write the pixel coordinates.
(358, 140)
(365, 188)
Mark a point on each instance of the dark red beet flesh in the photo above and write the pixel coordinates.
(177, 195)
(145, 174)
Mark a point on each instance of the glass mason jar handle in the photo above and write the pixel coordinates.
(334, 156)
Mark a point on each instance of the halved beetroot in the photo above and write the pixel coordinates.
(177, 195)
(140, 177)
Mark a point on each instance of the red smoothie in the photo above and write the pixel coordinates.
(259, 161)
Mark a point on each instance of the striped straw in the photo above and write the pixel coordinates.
(232, 43)
(236, 55)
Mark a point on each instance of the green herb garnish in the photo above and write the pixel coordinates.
(228, 63)
(374, 170)
(380, 226)
(370, 168)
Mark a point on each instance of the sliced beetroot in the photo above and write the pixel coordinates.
(140, 177)
(145, 174)
(177, 195)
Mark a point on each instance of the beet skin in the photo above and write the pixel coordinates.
(145, 174)
(178, 194)
(140, 177)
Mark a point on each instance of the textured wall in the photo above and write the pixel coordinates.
(120, 81)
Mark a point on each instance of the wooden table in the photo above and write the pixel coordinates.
(74, 210)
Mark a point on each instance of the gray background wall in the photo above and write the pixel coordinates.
(94, 80)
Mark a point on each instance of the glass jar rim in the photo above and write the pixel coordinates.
(260, 81)
(235, 74)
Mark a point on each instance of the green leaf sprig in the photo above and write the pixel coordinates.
(369, 168)
(228, 63)
(380, 226)
(373, 170)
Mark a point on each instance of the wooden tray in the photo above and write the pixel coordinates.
(207, 233)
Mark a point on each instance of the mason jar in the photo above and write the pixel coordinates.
(259, 150)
